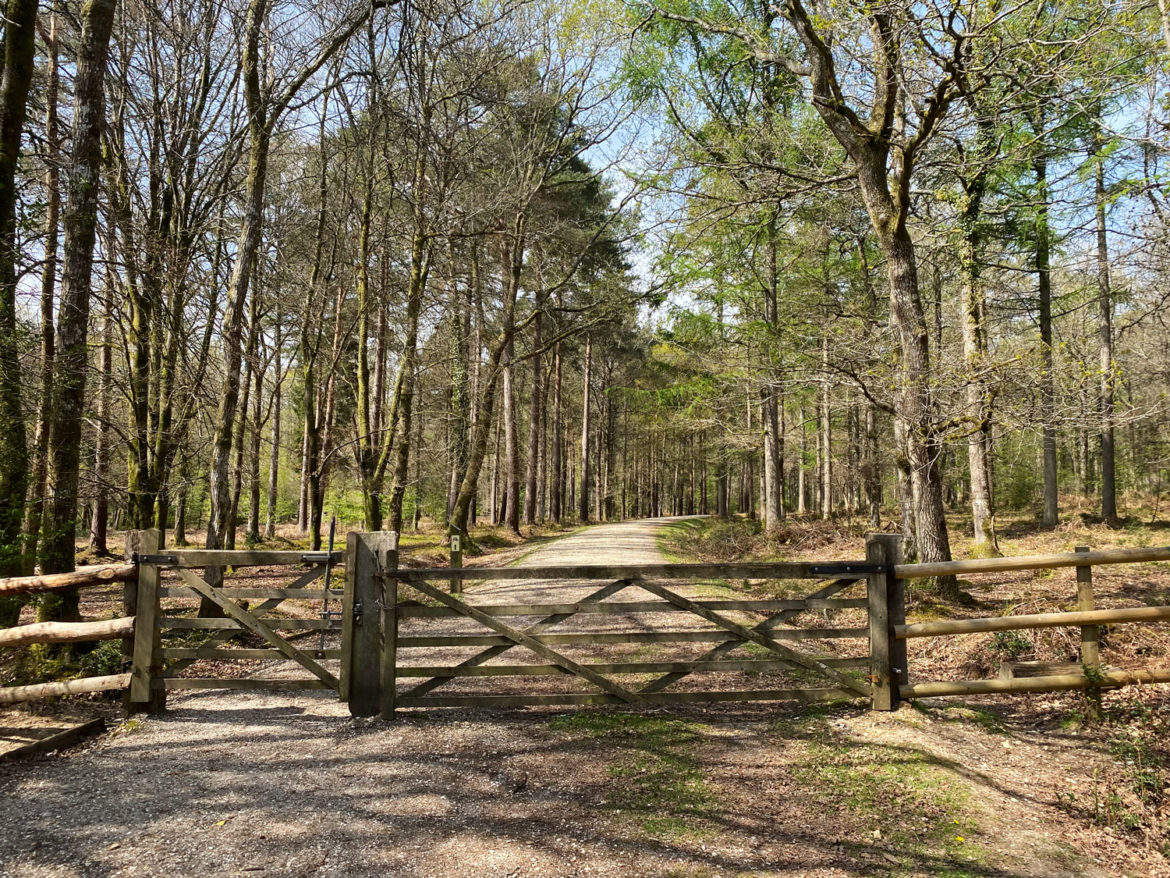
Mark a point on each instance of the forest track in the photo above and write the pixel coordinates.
(248, 783)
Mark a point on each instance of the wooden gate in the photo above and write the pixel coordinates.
(173, 633)
(424, 647)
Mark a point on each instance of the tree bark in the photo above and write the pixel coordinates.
(72, 363)
(1051, 513)
(18, 44)
(583, 492)
(1105, 344)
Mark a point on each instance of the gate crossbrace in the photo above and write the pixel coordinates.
(756, 637)
(528, 641)
(492, 651)
(257, 625)
(270, 604)
(657, 685)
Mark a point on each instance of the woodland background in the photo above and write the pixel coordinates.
(433, 264)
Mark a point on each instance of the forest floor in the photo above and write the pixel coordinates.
(244, 783)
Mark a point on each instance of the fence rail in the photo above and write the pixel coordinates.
(371, 616)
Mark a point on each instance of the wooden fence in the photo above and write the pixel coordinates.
(383, 611)
(70, 632)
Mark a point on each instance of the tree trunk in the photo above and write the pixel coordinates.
(583, 492)
(1105, 345)
(826, 433)
(80, 225)
(274, 449)
(535, 419)
(101, 458)
(556, 501)
(18, 44)
(1051, 513)
(37, 499)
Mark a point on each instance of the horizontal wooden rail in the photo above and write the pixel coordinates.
(586, 638)
(644, 571)
(1035, 620)
(212, 652)
(1032, 562)
(1052, 683)
(807, 695)
(419, 611)
(170, 683)
(242, 558)
(204, 624)
(37, 691)
(182, 591)
(82, 577)
(665, 667)
(67, 632)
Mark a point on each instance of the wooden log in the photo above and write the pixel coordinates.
(619, 608)
(828, 570)
(82, 577)
(1054, 683)
(1014, 670)
(1035, 620)
(67, 632)
(418, 641)
(1032, 562)
(38, 691)
(64, 738)
(576, 698)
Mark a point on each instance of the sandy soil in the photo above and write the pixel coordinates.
(288, 784)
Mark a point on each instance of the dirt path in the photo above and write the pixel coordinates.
(282, 784)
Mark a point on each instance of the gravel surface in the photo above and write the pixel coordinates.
(238, 783)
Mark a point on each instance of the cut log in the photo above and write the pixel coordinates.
(80, 578)
(37, 691)
(67, 632)
(1015, 670)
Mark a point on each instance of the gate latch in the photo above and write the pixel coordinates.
(357, 613)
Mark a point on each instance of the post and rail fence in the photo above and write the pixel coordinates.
(173, 618)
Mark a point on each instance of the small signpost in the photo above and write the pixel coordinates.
(456, 562)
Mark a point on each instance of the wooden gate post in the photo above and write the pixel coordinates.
(887, 608)
(361, 620)
(389, 604)
(146, 662)
(1090, 648)
(456, 561)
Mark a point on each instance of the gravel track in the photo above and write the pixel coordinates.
(242, 784)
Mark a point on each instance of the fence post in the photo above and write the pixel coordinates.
(887, 608)
(146, 666)
(389, 604)
(456, 561)
(361, 625)
(1090, 649)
